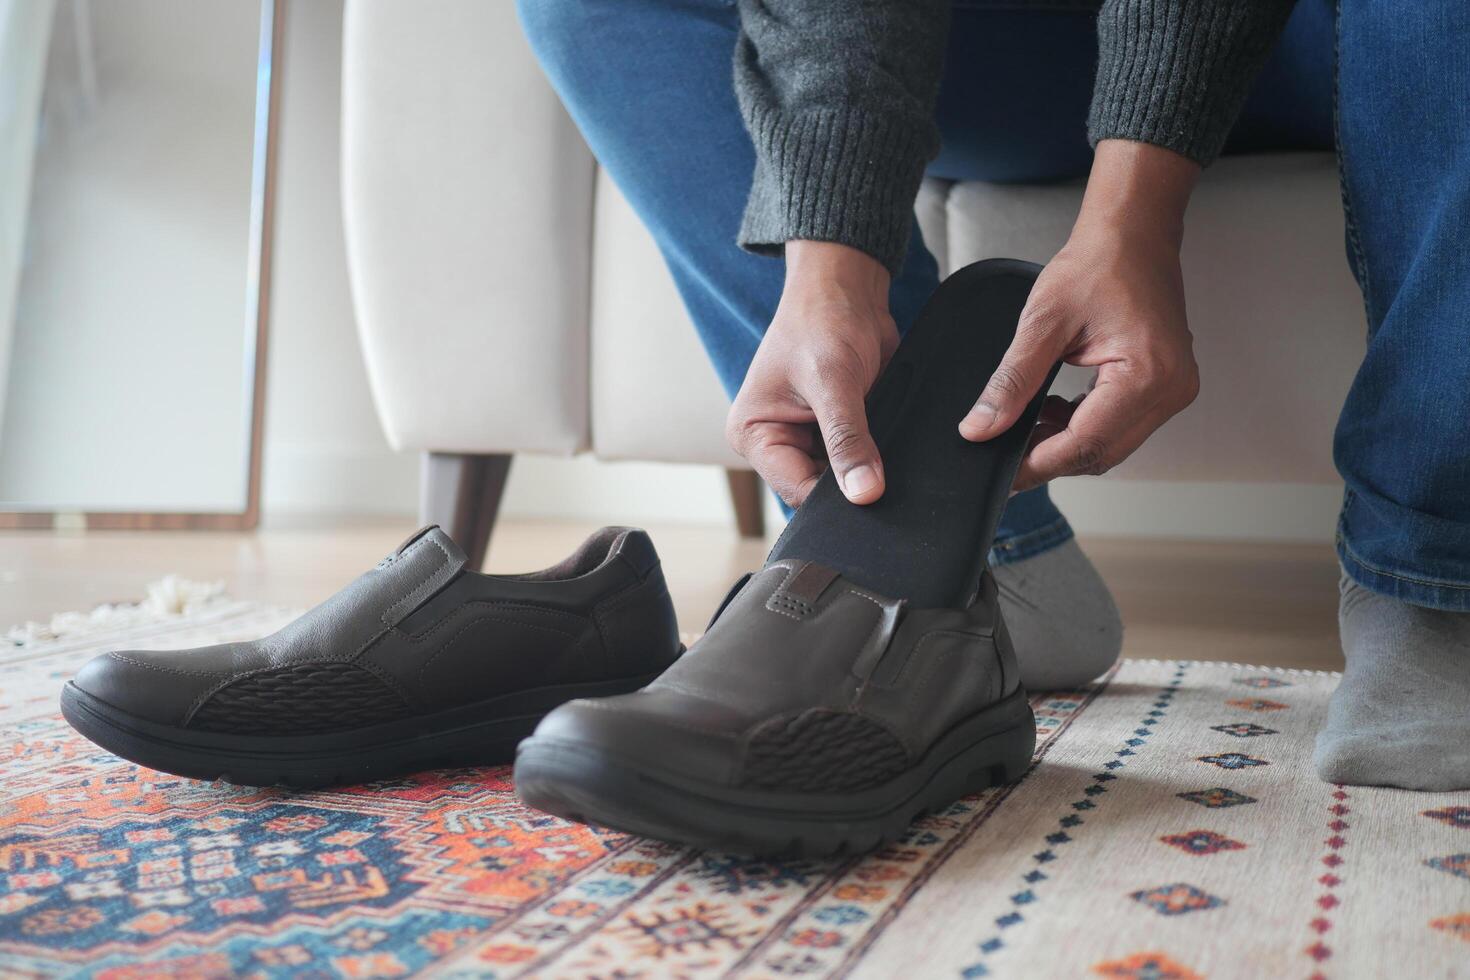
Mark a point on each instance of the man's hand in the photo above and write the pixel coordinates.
(1112, 299)
(801, 406)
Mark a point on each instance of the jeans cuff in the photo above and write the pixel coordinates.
(1030, 543)
(1449, 596)
(1373, 535)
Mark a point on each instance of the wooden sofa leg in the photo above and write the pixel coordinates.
(461, 493)
(748, 494)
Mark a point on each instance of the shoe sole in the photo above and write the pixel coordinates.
(481, 734)
(590, 784)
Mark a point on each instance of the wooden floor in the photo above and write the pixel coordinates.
(1252, 603)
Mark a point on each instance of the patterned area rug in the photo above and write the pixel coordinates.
(1171, 829)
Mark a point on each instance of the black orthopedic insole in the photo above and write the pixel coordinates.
(926, 538)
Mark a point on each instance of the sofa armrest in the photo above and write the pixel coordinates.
(467, 198)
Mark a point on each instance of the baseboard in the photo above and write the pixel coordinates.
(586, 488)
(302, 480)
(623, 492)
(1200, 511)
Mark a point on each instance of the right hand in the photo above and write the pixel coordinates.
(801, 406)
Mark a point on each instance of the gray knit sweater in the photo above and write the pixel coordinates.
(838, 96)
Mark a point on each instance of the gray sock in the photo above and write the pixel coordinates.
(1401, 716)
(1061, 618)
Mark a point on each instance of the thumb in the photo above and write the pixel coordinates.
(850, 448)
(1016, 380)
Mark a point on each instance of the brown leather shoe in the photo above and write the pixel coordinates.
(815, 716)
(818, 714)
(418, 663)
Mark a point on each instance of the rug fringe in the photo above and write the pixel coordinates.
(171, 597)
(1298, 671)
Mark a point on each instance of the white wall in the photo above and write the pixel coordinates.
(25, 30)
(125, 381)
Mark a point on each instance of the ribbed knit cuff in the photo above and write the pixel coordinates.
(835, 175)
(1176, 72)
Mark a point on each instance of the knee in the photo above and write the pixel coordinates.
(1088, 651)
(554, 28)
(588, 28)
(1061, 618)
(1056, 658)
(588, 49)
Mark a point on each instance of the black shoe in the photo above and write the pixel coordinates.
(814, 717)
(417, 664)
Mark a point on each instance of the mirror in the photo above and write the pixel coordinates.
(135, 189)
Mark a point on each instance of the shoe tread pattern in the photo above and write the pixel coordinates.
(822, 751)
(306, 699)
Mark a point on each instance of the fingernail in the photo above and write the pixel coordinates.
(859, 480)
(982, 416)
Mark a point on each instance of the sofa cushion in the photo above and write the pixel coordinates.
(467, 197)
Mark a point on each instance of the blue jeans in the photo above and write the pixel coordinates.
(649, 84)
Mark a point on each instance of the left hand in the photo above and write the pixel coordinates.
(1113, 299)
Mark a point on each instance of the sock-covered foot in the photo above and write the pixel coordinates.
(1061, 618)
(1401, 716)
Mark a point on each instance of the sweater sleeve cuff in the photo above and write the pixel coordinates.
(835, 175)
(1175, 73)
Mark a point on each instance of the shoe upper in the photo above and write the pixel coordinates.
(418, 633)
(806, 681)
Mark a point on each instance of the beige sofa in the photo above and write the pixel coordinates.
(510, 302)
